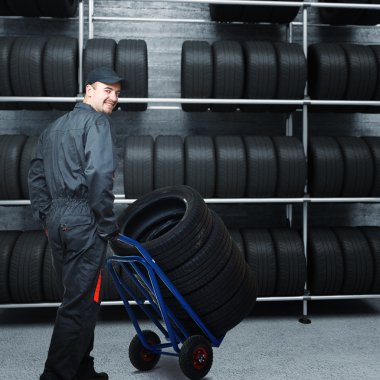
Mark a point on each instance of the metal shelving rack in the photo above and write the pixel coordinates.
(167, 104)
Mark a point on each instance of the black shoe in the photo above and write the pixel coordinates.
(96, 376)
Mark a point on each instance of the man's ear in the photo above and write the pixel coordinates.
(89, 89)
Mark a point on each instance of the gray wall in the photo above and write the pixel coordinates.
(164, 41)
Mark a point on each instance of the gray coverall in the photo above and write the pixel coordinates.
(70, 184)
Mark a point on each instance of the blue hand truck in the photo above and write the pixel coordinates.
(145, 349)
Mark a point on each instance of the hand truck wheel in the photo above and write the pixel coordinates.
(140, 357)
(195, 357)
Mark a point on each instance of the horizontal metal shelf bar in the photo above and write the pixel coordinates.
(299, 102)
(120, 199)
(259, 299)
(275, 3)
(343, 297)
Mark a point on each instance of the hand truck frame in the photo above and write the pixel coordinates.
(195, 354)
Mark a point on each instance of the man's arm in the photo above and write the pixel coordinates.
(100, 164)
(38, 190)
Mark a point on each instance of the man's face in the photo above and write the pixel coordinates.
(103, 97)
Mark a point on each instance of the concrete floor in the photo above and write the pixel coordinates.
(342, 342)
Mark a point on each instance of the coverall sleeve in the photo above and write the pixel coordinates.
(40, 197)
(100, 164)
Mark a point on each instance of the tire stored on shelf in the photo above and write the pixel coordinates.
(60, 69)
(196, 73)
(5, 73)
(131, 63)
(35, 8)
(11, 147)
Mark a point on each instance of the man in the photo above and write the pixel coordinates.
(70, 185)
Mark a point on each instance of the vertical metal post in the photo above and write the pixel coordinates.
(90, 19)
(304, 319)
(80, 47)
(289, 128)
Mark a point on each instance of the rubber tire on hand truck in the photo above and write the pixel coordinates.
(140, 357)
(195, 357)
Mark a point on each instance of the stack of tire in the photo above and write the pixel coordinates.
(346, 16)
(36, 8)
(129, 58)
(26, 270)
(344, 166)
(344, 72)
(220, 166)
(276, 256)
(234, 70)
(48, 66)
(194, 249)
(344, 260)
(253, 13)
(38, 66)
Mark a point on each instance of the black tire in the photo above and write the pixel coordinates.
(325, 262)
(207, 262)
(261, 167)
(291, 74)
(7, 242)
(376, 95)
(221, 287)
(26, 62)
(225, 13)
(58, 8)
(99, 52)
(169, 161)
(140, 357)
(254, 14)
(235, 309)
(27, 8)
(290, 262)
(6, 44)
(10, 152)
(341, 16)
(195, 357)
(196, 74)
(171, 223)
(231, 166)
(291, 166)
(200, 165)
(358, 167)
(237, 238)
(326, 167)
(228, 68)
(370, 16)
(284, 15)
(131, 63)
(328, 71)
(4, 9)
(261, 257)
(28, 153)
(138, 165)
(357, 259)
(60, 69)
(373, 143)
(25, 268)
(51, 283)
(260, 73)
(362, 72)
(372, 235)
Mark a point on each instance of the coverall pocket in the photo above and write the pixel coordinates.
(70, 221)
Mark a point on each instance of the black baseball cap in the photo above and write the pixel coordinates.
(104, 75)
